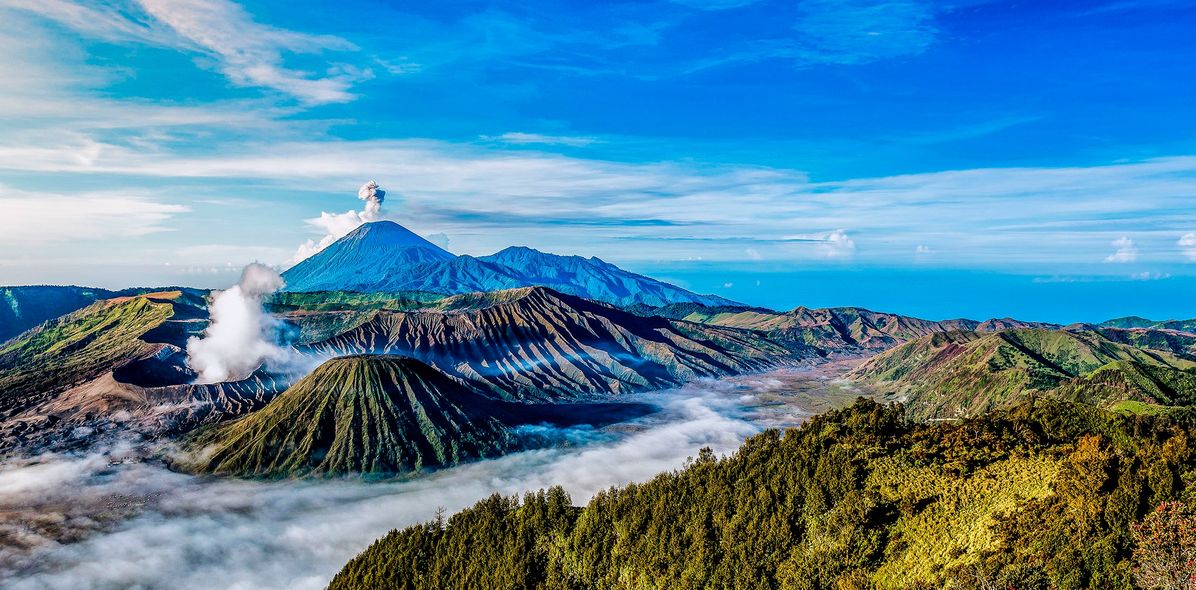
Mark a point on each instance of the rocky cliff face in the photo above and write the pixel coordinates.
(537, 344)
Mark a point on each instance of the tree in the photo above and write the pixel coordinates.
(1166, 548)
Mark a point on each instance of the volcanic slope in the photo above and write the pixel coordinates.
(385, 256)
(538, 344)
(116, 360)
(831, 330)
(965, 373)
(363, 414)
(79, 346)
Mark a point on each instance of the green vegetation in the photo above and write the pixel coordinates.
(369, 415)
(77, 347)
(1041, 496)
(1140, 322)
(955, 374)
(829, 330)
(350, 300)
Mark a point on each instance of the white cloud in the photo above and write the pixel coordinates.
(1187, 244)
(246, 52)
(837, 244)
(241, 335)
(1126, 251)
(39, 218)
(536, 138)
(237, 255)
(440, 239)
(481, 195)
(923, 250)
(335, 226)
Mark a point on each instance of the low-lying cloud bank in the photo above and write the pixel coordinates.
(144, 526)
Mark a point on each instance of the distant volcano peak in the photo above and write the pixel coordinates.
(389, 234)
(385, 256)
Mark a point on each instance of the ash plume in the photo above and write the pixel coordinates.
(373, 195)
(335, 225)
(242, 335)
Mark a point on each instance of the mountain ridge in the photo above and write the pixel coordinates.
(534, 343)
(384, 256)
(966, 373)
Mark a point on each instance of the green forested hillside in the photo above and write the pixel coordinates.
(830, 330)
(1041, 496)
(79, 346)
(955, 374)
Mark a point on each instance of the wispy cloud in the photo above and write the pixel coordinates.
(251, 54)
(837, 244)
(836, 32)
(715, 4)
(1126, 251)
(992, 217)
(40, 218)
(519, 138)
(1187, 245)
(861, 31)
(246, 52)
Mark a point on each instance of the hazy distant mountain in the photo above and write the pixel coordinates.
(22, 308)
(593, 278)
(385, 256)
(1140, 322)
(835, 329)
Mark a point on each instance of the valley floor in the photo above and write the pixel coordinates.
(115, 518)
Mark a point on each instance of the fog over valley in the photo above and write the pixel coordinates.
(108, 519)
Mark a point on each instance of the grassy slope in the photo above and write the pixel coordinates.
(1038, 497)
(376, 415)
(77, 347)
(966, 373)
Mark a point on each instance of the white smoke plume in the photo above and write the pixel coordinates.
(242, 335)
(336, 225)
(373, 195)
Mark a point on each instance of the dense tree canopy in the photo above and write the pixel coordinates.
(1041, 496)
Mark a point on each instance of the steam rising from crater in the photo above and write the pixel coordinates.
(242, 335)
(336, 225)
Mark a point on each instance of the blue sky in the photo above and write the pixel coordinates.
(940, 158)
